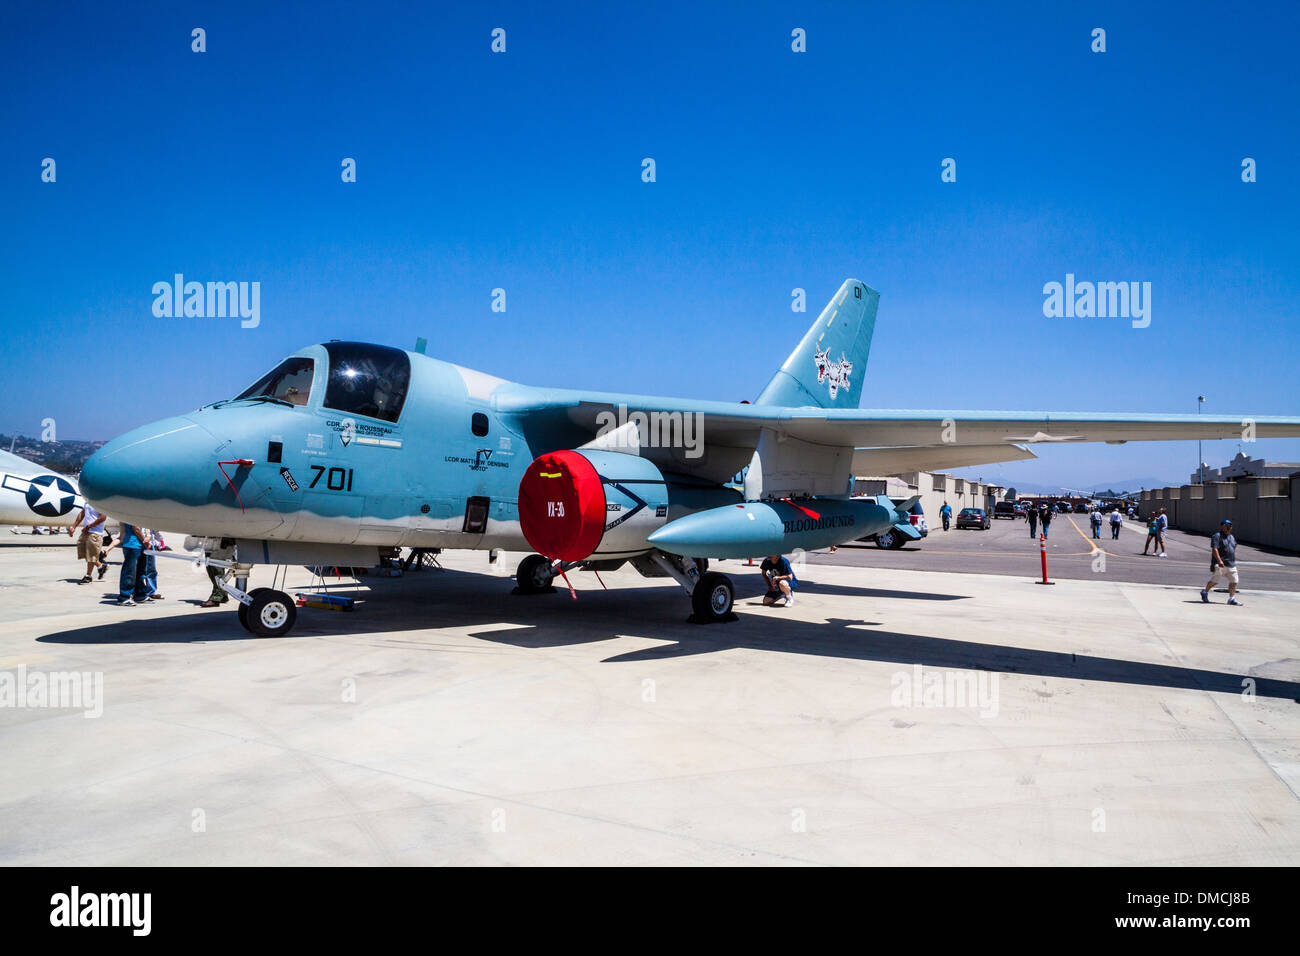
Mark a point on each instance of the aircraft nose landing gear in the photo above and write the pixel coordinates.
(265, 612)
(271, 613)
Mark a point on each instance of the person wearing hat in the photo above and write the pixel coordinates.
(1223, 562)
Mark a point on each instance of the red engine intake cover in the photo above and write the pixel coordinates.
(562, 506)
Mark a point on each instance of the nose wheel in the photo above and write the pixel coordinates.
(241, 609)
(271, 614)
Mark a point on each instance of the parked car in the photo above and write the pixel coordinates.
(976, 518)
(913, 529)
(1021, 510)
(1005, 509)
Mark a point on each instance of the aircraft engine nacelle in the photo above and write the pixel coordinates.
(580, 505)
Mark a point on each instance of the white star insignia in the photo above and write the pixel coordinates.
(53, 494)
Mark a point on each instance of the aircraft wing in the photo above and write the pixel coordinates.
(885, 441)
(908, 458)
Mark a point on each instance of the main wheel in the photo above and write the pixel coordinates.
(534, 574)
(242, 610)
(271, 614)
(713, 597)
(889, 540)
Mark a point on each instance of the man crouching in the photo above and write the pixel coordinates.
(780, 580)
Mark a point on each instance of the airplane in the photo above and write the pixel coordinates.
(31, 494)
(347, 451)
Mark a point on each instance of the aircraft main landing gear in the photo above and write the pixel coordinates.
(713, 598)
(534, 576)
(712, 595)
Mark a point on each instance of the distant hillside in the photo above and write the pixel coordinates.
(64, 456)
(1136, 484)
(1038, 488)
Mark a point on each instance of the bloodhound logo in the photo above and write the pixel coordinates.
(835, 375)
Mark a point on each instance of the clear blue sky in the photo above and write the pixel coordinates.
(775, 170)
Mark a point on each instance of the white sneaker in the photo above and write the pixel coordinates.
(127, 603)
(1162, 555)
(789, 602)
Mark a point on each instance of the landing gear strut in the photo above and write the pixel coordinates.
(712, 595)
(265, 612)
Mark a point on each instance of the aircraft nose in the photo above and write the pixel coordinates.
(165, 475)
(151, 464)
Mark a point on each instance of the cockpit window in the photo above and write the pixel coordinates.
(368, 380)
(290, 381)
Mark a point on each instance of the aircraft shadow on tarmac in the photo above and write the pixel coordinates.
(465, 600)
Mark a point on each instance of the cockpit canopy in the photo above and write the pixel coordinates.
(363, 379)
(290, 381)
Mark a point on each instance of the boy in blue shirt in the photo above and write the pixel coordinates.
(780, 580)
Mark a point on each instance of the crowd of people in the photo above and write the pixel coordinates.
(780, 578)
(138, 580)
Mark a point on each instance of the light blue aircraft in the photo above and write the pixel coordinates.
(346, 451)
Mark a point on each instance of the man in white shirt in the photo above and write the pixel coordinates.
(90, 546)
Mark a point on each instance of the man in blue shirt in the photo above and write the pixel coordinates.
(133, 587)
(780, 580)
(946, 513)
(1223, 562)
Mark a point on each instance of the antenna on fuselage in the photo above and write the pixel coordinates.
(421, 344)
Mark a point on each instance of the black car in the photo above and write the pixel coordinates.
(976, 518)
(1005, 509)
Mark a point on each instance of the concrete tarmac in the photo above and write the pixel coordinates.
(891, 716)
(1072, 552)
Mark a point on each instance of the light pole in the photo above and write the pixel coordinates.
(1200, 460)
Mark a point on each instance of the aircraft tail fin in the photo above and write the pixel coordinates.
(826, 369)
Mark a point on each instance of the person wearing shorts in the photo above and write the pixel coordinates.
(780, 580)
(90, 545)
(1153, 534)
(1223, 562)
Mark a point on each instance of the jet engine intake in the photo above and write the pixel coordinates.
(576, 505)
